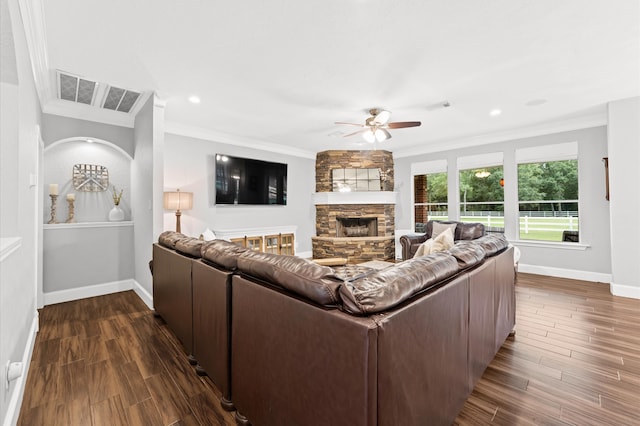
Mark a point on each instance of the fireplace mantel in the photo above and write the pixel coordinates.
(364, 197)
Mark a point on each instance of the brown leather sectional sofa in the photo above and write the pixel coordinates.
(404, 345)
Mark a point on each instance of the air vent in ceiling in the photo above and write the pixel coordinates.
(75, 89)
(119, 99)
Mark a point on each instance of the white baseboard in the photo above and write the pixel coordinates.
(15, 402)
(623, 290)
(143, 294)
(565, 273)
(89, 291)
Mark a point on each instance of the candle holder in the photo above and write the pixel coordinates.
(71, 218)
(54, 198)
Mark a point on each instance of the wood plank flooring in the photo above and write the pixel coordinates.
(575, 360)
(108, 361)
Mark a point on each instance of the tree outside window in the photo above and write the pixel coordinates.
(548, 201)
(482, 197)
(431, 198)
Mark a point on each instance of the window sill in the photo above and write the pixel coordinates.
(550, 244)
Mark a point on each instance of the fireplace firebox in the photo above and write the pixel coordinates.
(356, 227)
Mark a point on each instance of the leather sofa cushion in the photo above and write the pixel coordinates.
(189, 246)
(303, 277)
(493, 243)
(469, 231)
(222, 253)
(389, 287)
(467, 253)
(170, 238)
(463, 230)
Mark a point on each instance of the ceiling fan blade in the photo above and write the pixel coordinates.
(402, 124)
(381, 117)
(355, 133)
(386, 134)
(350, 124)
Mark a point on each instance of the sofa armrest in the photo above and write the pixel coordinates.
(410, 244)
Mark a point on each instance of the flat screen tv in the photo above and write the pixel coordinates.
(248, 181)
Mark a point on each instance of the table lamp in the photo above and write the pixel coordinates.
(178, 201)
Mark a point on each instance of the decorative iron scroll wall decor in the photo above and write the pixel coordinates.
(90, 177)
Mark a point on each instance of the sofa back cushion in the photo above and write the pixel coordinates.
(493, 243)
(386, 288)
(463, 230)
(467, 253)
(222, 253)
(303, 277)
(170, 238)
(189, 246)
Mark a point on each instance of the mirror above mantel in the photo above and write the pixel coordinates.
(356, 180)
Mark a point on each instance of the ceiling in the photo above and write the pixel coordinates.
(277, 74)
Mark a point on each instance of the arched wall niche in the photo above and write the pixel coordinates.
(90, 206)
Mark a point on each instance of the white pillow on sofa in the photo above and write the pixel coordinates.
(444, 241)
(438, 228)
(424, 248)
(208, 235)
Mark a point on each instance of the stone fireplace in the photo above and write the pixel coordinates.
(356, 225)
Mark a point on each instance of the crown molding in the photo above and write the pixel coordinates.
(211, 135)
(33, 21)
(557, 126)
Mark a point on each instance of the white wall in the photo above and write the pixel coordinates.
(624, 183)
(19, 141)
(592, 262)
(189, 166)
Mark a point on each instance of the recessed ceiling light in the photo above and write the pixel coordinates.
(495, 112)
(194, 99)
(89, 140)
(536, 102)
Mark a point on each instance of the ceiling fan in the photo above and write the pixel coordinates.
(375, 127)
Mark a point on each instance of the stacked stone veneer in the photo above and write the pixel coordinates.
(356, 249)
(326, 161)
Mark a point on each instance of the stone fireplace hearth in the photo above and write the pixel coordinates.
(355, 225)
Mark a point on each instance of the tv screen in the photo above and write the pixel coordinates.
(248, 181)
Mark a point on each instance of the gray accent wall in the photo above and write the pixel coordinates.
(146, 186)
(189, 165)
(594, 208)
(56, 128)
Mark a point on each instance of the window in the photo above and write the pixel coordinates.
(430, 193)
(548, 193)
(481, 184)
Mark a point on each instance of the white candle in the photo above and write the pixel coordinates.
(53, 189)
(71, 197)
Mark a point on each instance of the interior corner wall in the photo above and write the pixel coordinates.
(624, 204)
(20, 118)
(592, 262)
(146, 186)
(189, 165)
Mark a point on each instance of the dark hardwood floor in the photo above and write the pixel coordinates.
(575, 360)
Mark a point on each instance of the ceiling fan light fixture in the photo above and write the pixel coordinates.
(369, 136)
(381, 135)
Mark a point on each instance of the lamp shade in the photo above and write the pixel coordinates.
(178, 200)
